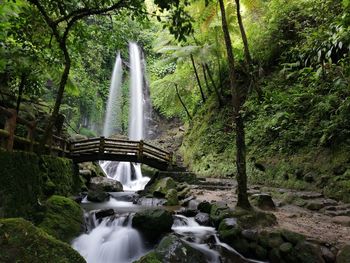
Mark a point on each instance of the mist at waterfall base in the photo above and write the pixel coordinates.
(129, 174)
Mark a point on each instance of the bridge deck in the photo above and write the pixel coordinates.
(120, 150)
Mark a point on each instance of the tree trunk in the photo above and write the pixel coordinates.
(182, 103)
(247, 55)
(206, 79)
(242, 201)
(214, 85)
(20, 91)
(197, 77)
(64, 77)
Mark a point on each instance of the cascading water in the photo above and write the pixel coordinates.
(128, 174)
(112, 123)
(110, 241)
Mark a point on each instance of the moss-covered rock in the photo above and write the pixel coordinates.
(26, 178)
(171, 198)
(63, 218)
(97, 195)
(204, 207)
(105, 184)
(292, 237)
(162, 186)
(21, 241)
(153, 222)
(218, 212)
(308, 253)
(151, 257)
(172, 249)
(343, 255)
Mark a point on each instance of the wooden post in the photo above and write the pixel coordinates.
(10, 127)
(140, 152)
(102, 145)
(30, 135)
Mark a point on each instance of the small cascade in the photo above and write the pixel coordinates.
(204, 239)
(110, 240)
(112, 123)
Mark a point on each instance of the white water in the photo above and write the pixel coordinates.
(129, 174)
(112, 123)
(110, 241)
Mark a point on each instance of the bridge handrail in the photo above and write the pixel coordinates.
(137, 150)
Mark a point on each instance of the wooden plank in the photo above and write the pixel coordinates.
(156, 148)
(86, 140)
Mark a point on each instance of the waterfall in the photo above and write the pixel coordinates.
(110, 241)
(112, 118)
(136, 118)
(129, 174)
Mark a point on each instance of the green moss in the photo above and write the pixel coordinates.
(20, 184)
(63, 218)
(20, 241)
(27, 178)
(151, 257)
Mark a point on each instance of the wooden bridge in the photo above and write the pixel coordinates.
(92, 149)
(119, 150)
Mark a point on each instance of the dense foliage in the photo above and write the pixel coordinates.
(300, 61)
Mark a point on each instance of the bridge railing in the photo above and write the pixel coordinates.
(104, 145)
(9, 139)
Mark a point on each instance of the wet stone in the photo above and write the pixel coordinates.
(202, 219)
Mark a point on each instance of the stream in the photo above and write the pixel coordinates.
(112, 239)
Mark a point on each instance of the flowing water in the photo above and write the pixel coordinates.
(112, 239)
(112, 118)
(129, 174)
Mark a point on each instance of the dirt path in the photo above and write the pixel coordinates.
(314, 225)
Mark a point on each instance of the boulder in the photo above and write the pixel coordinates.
(229, 231)
(97, 196)
(153, 223)
(21, 241)
(310, 177)
(187, 200)
(343, 255)
(172, 249)
(263, 201)
(162, 186)
(342, 220)
(202, 219)
(187, 212)
(218, 212)
(327, 255)
(204, 207)
(151, 257)
(171, 198)
(292, 237)
(63, 218)
(104, 213)
(285, 248)
(250, 235)
(308, 253)
(105, 184)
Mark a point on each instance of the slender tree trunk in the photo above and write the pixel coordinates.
(20, 91)
(214, 85)
(247, 55)
(206, 79)
(242, 200)
(182, 103)
(197, 77)
(64, 77)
